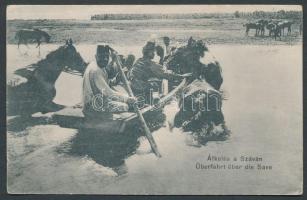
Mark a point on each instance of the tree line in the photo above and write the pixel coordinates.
(281, 14)
(158, 16)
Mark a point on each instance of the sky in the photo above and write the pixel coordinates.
(85, 11)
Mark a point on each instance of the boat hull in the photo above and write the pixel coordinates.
(118, 123)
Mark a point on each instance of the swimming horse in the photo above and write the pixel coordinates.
(32, 88)
(187, 59)
(201, 100)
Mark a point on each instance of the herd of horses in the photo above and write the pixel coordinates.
(276, 28)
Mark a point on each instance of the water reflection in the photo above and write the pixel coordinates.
(111, 149)
(210, 132)
(20, 123)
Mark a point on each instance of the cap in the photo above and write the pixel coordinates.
(102, 49)
(150, 46)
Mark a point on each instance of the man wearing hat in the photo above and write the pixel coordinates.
(166, 42)
(145, 69)
(98, 96)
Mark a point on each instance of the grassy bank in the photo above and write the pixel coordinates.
(135, 32)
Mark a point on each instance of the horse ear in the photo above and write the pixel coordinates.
(66, 42)
(190, 41)
(70, 41)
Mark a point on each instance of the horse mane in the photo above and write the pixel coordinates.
(188, 49)
(28, 70)
(185, 58)
(52, 55)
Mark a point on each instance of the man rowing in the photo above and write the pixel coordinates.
(145, 69)
(99, 99)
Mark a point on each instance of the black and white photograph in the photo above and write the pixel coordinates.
(154, 99)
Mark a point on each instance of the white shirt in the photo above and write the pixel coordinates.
(100, 84)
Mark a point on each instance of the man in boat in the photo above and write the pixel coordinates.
(164, 50)
(145, 70)
(166, 41)
(127, 64)
(99, 99)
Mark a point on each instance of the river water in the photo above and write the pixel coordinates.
(263, 110)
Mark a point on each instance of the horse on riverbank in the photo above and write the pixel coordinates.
(274, 30)
(262, 24)
(259, 27)
(250, 26)
(271, 26)
(32, 88)
(286, 25)
(36, 35)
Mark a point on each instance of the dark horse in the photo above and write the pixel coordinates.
(36, 35)
(262, 24)
(271, 27)
(201, 101)
(285, 25)
(186, 59)
(256, 26)
(277, 31)
(32, 88)
(274, 30)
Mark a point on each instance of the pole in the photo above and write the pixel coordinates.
(148, 135)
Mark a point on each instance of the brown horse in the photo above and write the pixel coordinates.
(186, 59)
(285, 25)
(277, 31)
(36, 35)
(200, 103)
(249, 26)
(274, 29)
(263, 24)
(271, 26)
(36, 90)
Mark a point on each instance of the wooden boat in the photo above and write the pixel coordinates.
(72, 117)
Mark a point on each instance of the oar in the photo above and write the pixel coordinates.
(142, 120)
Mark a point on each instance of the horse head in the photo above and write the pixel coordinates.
(71, 58)
(186, 58)
(195, 57)
(212, 72)
(43, 34)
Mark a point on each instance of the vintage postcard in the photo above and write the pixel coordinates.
(154, 99)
